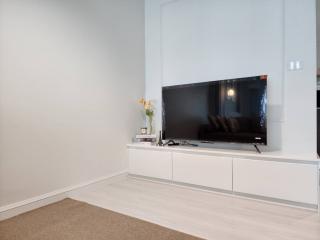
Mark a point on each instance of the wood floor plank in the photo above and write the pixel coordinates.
(205, 214)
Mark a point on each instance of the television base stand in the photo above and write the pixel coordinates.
(182, 143)
(171, 143)
(186, 143)
(257, 148)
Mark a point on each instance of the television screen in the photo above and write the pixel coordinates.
(231, 110)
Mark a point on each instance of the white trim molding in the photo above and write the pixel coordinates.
(26, 205)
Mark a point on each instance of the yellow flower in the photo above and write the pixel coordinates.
(147, 105)
(142, 101)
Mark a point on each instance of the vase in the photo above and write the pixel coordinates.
(150, 125)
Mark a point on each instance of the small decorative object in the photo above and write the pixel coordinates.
(146, 139)
(149, 111)
(143, 131)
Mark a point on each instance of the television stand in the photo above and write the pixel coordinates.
(237, 172)
(171, 143)
(256, 147)
(186, 143)
(182, 143)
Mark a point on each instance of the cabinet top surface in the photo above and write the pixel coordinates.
(275, 155)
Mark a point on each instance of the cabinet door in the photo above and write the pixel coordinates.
(203, 170)
(288, 181)
(156, 164)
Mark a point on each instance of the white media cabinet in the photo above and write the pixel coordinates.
(269, 176)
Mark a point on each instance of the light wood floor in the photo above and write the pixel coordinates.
(203, 214)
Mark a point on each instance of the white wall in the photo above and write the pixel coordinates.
(300, 126)
(70, 76)
(192, 41)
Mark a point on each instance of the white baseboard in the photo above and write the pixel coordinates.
(17, 208)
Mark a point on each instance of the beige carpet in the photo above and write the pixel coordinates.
(74, 220)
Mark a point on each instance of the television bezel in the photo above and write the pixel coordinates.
(265, 143)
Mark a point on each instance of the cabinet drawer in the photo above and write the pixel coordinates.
(157, 164)
(288, 181)
(204, 170)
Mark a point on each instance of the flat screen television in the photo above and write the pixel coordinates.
(233, 110)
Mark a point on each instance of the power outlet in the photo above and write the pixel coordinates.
(295, 65)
